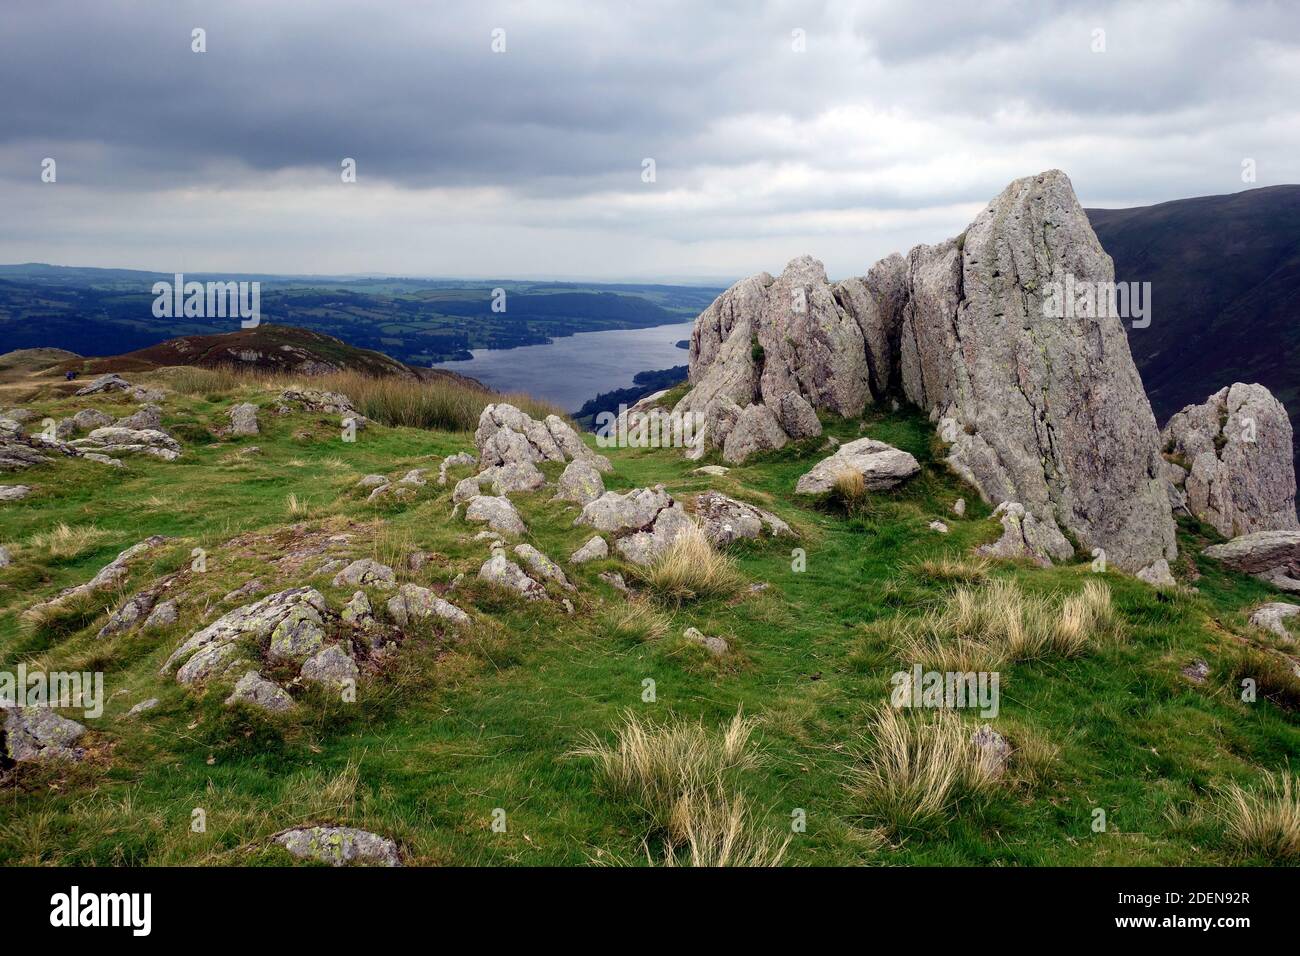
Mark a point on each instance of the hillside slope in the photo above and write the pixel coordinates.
(1225, 275)
(473, 744)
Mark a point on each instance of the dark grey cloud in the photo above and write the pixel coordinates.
(893, 109)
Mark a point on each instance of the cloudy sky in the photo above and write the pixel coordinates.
(844, 130)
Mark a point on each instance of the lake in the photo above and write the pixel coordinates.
(572, 369)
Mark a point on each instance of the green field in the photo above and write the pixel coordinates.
(457, 724)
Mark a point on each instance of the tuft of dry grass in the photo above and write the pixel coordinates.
(950, 569)
(68, 541)
(916, 767)
(681, 777)
(1264, 821)
(297, 507)
(984, 628)
(633, 622)
(691, 569)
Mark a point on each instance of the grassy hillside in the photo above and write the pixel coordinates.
(518, 711)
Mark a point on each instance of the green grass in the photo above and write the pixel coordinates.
(459, 726)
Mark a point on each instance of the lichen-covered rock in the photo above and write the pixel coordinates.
(541, 565)
(454, 461)
(413, 603)
(110, 575)
(617, 512)
(1273, 556)
(593, 550)
(14, 492)
(163, 615)
(243, 419)
(88, 419)
(881, 467)
(506, 435)
(646, 547)
(38, 733)
(1271, 616)
(796, 417)
(366, 571)
(256, 691)
(331, 667)
(129, 613)
(147, 417)
(503, 572)
(372, 481)
(724, 519)
(339, 846)
(756, 430)
(315, 400)
(358, 611)
(498, 512)
(1240, 471)
(208, 662)
(254, 622)
(580, 482)
(298, 635)
(118, 440)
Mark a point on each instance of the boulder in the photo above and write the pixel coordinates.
(992, 750)
(146, 417)
(118, 440)
(716, 646)
(366, 571)
(413, 603)
(358, 611)
(1272, 556)
(339, 846)
(105, 383)
(14, 492)
(143, 706)
(1270, 617)
(1023, 536)
(646, 547)
(256, 691)
(541, 565)
(580, 483)
(298, 635)
(1233, 462)
(724, 519)
(881, 467)
(129, 613)
(453, 461)
(38, 733)
(163, 615)
(501, 516)
(618, 512)
(593, 550)
(506, 435)
(503, 572)
(796, 417)
(331, 667)
(243, 419)
(756, 430)
(372, 481)
(254, 622)
(88, 419)
(6, 558)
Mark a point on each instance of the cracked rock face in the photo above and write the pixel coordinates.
(506, 436)
(1234, 468)
(1272, 556)
(38, 733)
(1024, 536)
(339, 846)
(120, 440)
(881, 466)
(644, 521)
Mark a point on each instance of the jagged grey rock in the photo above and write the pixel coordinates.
(358, 611)
(163, 615)
(143, 706)
(756, 430)
(119, 440)
(372, 481)
(593, 550)
(298, 635)
(111, 382)
(38, 733)
(415, 603)
(110, 575)
(243, 419)
(88, 419)
(716, 646)
(208, 662)
(366, 571)
(541, 565)
(14, 492)
(796, 417)
(1023, 536)
(1272, 556)
(646, 547)
(617, 512)
(332, 667)
(506, 435)
(499, 513)
(503, 572)
(580, 482)
(723, 519)
(1270, 617)
(339, 846)
(453, 461)
(147, 417)
(256, 621)
(130, 613)
(1239, 474)
(881, 467)
(256, 691)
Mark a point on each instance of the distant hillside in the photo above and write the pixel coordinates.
(416, 321)
(1225, 283)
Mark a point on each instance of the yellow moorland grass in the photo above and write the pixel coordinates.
(434, 403)
(681, 777)
(634, 621)
(950, 569)
(984, 628)
(691, 569)
(1264, 821)
(68, 541)
(916, 767)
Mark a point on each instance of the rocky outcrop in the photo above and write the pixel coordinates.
(1272, 556)
(339, 846)
(595, 549)
(414, 603)
(110, 575)
(119, 440)
(14, 492)
(504, 573)
(724, 520)
(1023, 536)
(1039, 403)
(366, 571)
(754, 430)
(541, 565)
(243, 419)
(256, 691)
(881, 466)
(506, 435)
(644, 521)
(499, 514)
(1270, 617)
(105, 383)
(580, 483)
(255, 622)
(1232, 461)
